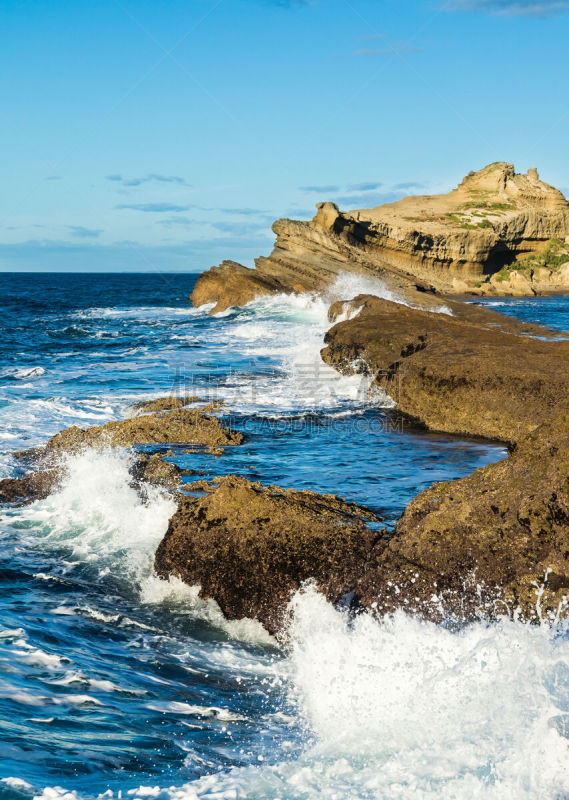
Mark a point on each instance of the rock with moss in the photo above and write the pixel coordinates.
(495, 542)
(181, 426)
(164, 403)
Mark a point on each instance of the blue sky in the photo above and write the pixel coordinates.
(143, 135)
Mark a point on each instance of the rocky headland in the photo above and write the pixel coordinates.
(498, 232)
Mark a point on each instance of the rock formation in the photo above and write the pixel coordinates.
(475, 373)
(180, 426)
(251, 547)
(480, 546)
(448, 242)
(487, 541)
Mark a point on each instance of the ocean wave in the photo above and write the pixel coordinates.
(395, 708)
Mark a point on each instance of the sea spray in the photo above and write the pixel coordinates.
(97, 515)
(395, 708)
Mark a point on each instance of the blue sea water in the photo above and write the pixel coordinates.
(113, 681)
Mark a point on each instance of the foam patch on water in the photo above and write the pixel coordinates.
(280, 338)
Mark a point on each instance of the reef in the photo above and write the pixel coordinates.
(470, 372)
(179, 426)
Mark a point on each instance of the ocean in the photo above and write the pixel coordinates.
(115, 683)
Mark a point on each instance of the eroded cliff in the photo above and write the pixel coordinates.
(448, 243)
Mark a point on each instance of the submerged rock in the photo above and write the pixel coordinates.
(251, 547)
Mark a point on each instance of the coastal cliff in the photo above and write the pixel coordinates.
(452, 243)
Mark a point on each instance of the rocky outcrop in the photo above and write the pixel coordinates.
(181, 426)
(485, 544)
(164, 403)
(30, 487)
(446, 243)
(494, 543)
(251, 547)
(493, 218)
(231, 284)
(472, 373)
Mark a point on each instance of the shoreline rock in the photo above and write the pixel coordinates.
(250, 547)
(177, 426)
(180, 426)
(477, 547)
(475, 373)
(488, 542)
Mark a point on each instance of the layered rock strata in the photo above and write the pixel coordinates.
(446, 243)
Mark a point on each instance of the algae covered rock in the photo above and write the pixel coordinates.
(164, 403)
(485, 543)
(250, 547)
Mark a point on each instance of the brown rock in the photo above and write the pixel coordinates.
(433, 242)
(484, 544)
(30, 487)
(473, 373)
(251, 547)
(182, 426)
(164, 403)
(231, 284)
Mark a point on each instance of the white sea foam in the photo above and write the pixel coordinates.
(176, 707)
(287, 331)
(99, 516)
(396, 708)
(23, 373)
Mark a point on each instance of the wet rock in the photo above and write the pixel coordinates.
(251, 547)
(181, 426)
(473, 373)
(30, 487)
(154, 470)
(486, 543)
(231, 284)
